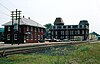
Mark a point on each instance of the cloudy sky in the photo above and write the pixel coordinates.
(45, 11)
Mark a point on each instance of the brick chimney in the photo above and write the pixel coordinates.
(23, 17)
(28, 17)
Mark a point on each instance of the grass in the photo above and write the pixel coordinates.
(70, 54)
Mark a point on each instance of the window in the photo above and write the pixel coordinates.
(82, 26)
(38, 37)
(27, 28)
(66, 37)
(38, 29)
(15, 26)
(75, 31)
(35, 35)
(56, 32)
(8, 36)
(78, 31)
(27, 37)
(78, 26)
(82, 31)
(41, 30)
(56, 37)
(41, 36)
(69, 26)
(66, 32)
(71, 32)
(52, 37)
(31, 36)
(75, 26)
(35, 29)
(15, 36)
(31, 28)
(52, 32)
(53, 27)
(64, 27)
(63, 32)
(8, 28)
(58, 27)
(87, 26)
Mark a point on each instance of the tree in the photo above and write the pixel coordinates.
(48, 26)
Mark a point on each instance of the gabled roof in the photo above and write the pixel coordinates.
(94, 33)
(1, 29)
(25, 21)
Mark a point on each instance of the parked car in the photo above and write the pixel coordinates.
(55, 40)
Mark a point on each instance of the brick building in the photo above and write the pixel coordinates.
(70, 32)
(29, 31)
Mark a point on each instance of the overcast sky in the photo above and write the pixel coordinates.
(45, 11)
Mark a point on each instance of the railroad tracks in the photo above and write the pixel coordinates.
(29, 48)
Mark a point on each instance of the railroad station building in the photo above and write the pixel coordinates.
(70, 32)
(29, 31)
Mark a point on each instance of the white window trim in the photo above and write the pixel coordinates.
(38, 37)
(27, 38)
(31, 28)
(27, 28)
(35, 29)
(8, 28)
(8, 37)
(82, 31)
(38, 29)
(15, 36)
(78, 31)
(31, 37)
(82, 26)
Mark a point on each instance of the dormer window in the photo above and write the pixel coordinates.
(82, 26)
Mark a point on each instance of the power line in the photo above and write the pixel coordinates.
(4, 13)
(11, 3)
(4, 7)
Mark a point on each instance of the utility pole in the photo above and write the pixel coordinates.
(12, 30)
(16, 16)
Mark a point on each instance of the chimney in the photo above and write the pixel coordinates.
(23, 16)
(28, 17)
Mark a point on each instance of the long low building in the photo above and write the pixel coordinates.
(70, 32)
(28, 31)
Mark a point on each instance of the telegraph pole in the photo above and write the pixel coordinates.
(16, 16)
(12, 15)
